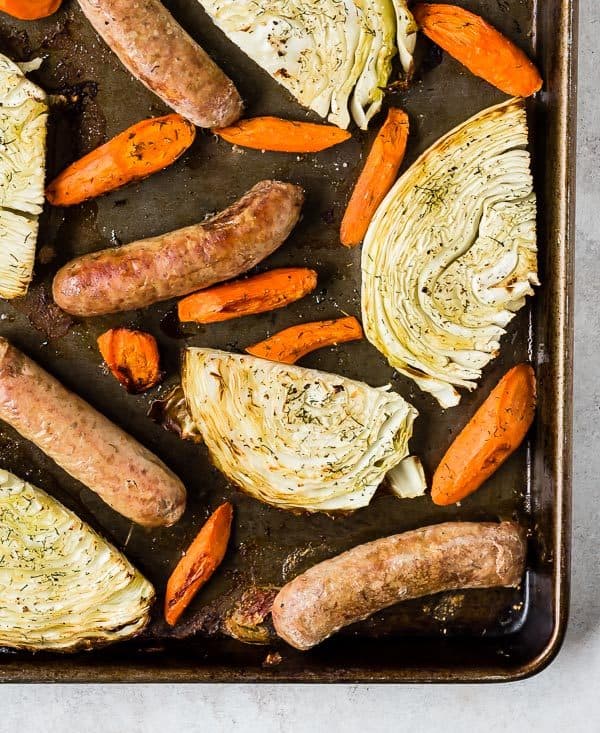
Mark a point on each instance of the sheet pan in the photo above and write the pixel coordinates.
(477, 636)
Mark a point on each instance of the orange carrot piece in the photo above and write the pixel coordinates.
(377, 177)
(257, 294)
(138, 152)
(132, 357)
(29, 9)
(284, 136)
(202, 558)
(480, 47)
(293, 343)
(494, 432)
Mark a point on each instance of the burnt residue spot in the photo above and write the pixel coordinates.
(328, 216)
(432, 58)
(15, 43)
(77, 94)
(170, 325)
(46, 254)
(43, 313)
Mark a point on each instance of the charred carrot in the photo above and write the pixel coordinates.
(257, 294)
(202, 558)
(284, 136)
(293, 343)
(142, 149)
(495, 431)
(377, 177)
(29, 9)
(132, 357)
(480, 47)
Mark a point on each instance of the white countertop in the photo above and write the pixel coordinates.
(565, 697)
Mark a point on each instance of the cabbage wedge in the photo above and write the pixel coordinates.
(62, 587)
(296, 438)
(23, 121)
(451, 254)
(333, 56)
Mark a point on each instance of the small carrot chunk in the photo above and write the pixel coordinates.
(284, 136)
(480, 47)
(291, 344)
(138, 152)
(257, 294)
(377, 177)
(132, 357)
(202, 558)
(29, 9)
(494, 432)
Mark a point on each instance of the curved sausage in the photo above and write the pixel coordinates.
(178, 263)
(368, 578)
(127, 476)
(156, 50)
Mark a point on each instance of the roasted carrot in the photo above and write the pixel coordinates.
(283, 136)
(480, 47)
(202, 558)
(142, 149)
(377, 177)
(132, 357)
(495, 431)
(257, 294)
(293, 343)
(29, 9)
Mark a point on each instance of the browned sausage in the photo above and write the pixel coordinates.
(357, 583)
(156, 50)
(175, 264)
(87, 445)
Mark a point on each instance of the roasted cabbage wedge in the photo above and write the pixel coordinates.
(333, 56)
(451, 253)
(292, 437)
(62, 587)
(23, 122)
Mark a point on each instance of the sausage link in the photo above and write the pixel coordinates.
(178, 263)
(156, 50)
(370, 577)
(127, 476)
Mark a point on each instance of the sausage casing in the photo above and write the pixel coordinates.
(157, 51)
(89, 447)
(370, 577)
(178, 263)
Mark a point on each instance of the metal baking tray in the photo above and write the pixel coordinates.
(489, 635)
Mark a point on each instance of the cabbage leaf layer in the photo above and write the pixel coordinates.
(296, 438)
(333, 56)
(62, 587)
(451, 253)
(23, 121)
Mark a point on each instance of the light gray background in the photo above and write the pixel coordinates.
(564, 697)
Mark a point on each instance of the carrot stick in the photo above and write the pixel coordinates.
(480, 47)
(142, 149)
(29, 9)
(202, 558)
(293, 343)
(284, 136)
(495, 431)
(377, 177)
(132, 357)
(257, 294)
